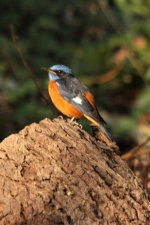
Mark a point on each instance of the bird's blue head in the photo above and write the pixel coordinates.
(59, 71)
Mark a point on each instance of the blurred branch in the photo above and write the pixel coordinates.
(136, 63)
(11, 63)
(104, 78)
(128, 53)
(110, 75)
(27, 67)
(136, 150)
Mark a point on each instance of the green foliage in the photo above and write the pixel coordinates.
(143, 103)
(93, 38)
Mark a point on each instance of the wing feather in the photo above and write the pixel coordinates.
(70, 89)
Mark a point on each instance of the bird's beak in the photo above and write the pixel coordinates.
(48, 70)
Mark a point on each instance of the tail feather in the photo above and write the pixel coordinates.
(105, 132)
(103, 129)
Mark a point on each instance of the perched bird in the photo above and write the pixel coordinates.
(71, 97)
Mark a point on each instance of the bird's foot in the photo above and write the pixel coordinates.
(60, 117)
(73, 121)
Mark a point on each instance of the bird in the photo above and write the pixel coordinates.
(72, 98)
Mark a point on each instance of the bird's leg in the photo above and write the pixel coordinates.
(72, 119)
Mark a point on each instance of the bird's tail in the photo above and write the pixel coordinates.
(102, 127)
(108, 135)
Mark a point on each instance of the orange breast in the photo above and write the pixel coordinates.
(61, 104)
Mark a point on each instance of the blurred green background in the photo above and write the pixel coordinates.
(106, 43)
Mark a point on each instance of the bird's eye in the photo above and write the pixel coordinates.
(59, 71)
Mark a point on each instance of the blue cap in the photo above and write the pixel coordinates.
(63, 68)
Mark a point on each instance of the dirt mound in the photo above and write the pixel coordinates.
(56, 173)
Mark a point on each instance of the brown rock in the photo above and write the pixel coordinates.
(55, 173)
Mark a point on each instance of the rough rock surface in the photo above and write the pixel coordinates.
(56, 173)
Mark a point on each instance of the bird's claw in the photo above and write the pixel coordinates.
(60, 117)
(72, 120)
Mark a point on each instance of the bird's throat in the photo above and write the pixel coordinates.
(53, 77)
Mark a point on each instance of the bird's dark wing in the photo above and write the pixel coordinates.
(73, 91)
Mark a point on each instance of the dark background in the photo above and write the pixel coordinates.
(106, 43)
